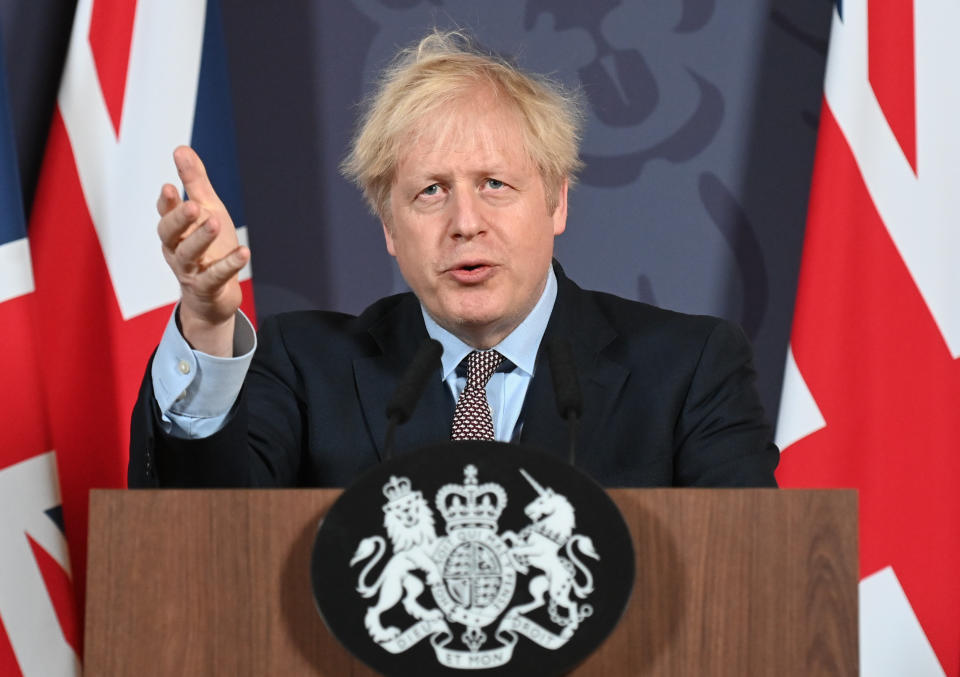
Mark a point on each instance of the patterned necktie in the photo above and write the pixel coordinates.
(472, 419)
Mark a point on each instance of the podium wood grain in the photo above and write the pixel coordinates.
(728, 582)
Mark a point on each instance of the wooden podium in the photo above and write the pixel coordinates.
(728, 582)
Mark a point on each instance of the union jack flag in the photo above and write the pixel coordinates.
(38, 625)
(871, 395)
(85, 303)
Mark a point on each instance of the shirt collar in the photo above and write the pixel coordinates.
(519, 347)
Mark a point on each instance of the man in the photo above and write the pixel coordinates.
(467, 161)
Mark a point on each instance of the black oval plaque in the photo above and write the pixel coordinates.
(472, 556)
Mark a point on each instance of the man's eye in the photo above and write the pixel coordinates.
(431, 190)
(496, 184)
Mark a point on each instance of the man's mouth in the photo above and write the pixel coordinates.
(471, 272)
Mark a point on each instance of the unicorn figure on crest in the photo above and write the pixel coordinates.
(539, 545)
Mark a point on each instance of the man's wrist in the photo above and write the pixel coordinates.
(214, 339)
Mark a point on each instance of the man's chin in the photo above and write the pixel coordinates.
(470, 321)
(479, 327)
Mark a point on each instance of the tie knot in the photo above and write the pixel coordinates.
(480, 367)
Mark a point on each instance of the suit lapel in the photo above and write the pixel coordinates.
(398, 334)
(577, 319)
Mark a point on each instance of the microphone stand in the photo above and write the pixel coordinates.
(388, 440)
(566, 388)
(573, 423)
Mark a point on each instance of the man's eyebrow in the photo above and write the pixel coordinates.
(426, 178)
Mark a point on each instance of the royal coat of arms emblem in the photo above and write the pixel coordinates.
(489, 588)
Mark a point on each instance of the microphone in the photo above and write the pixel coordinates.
(566, 387)
(408, 392)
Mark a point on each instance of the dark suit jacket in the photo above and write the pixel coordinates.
(669, 399)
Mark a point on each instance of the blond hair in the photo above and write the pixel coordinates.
(444, 67)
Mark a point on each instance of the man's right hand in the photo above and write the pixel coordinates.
(200, 246)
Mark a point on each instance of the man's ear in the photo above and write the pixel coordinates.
(560, 213)
(388, 237)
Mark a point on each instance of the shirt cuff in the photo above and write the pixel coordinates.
(196, 391)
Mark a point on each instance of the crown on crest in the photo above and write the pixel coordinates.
(471, 504)
(397, 488)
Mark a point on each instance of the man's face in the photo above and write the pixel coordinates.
(467, 220)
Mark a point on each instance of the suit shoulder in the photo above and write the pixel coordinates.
(639, 319)
(329, 328)
(308, 324)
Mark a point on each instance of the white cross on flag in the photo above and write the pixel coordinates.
(140, 78)
(871, 395)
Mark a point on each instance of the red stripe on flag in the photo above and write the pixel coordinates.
(891, 67)
(21, 400)
(879, 369)
(8, 660)
(93, 360)
(111, 31)
(60, 589)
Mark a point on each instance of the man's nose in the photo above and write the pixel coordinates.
(466, 220)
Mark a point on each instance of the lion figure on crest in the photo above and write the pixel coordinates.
(409, 524)
(539, 546)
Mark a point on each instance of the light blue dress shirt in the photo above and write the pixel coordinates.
(196, 391)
